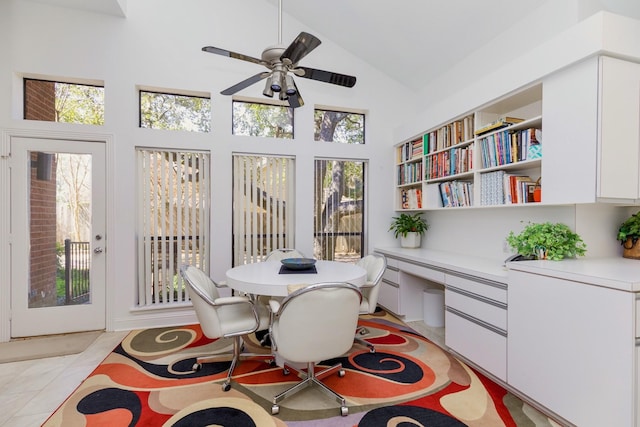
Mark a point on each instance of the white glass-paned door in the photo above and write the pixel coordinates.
(58, 236)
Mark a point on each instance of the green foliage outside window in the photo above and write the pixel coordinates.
(79, 104)
(175, 112)
(253, 119)
(337, 126)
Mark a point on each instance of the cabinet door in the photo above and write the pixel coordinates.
(571, 348)
(569, 137)
(619, 127)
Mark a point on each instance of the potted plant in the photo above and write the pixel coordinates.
(628, 235)
(547, 240)
(410, 228)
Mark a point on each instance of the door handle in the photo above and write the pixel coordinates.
(98, 250)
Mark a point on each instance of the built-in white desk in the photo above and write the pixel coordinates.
(564, 335)
(475, 300)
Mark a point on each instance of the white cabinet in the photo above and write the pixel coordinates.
(571, 348)
(591, 140)
(619, 137)
(476, 321)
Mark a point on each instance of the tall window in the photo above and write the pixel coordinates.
(54, 101)
(171, 111)
(172, 221)
(338, 126)
(338, 210)
(253, 119)
(338, 190)
(263, 217)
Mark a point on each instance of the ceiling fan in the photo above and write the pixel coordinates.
(282, 62)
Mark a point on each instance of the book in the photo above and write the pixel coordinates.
(497, 124)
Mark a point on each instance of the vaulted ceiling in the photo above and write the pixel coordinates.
(412, 41)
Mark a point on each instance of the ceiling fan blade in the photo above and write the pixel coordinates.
(325, 76)
(230, 54)
(300, 47)
(296, 100)
(245, 83)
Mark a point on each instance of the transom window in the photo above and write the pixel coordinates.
(55, 101)
(255, 119)
(172, 111)
(338, 126)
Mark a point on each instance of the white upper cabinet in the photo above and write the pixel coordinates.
(619, 130)
(591, 113)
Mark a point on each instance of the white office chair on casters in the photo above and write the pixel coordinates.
(313, 324)
(223, 317)
(375, 265)
(280, 254)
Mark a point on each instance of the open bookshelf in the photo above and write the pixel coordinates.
(489, 157)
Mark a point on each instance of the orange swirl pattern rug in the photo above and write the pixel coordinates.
(147, 381)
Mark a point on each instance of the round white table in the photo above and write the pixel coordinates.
(263, 278)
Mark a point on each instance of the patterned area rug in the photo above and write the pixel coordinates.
(148, 381)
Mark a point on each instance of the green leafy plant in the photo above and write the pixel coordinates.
(406, 223)
(630, 229)
(547, 241)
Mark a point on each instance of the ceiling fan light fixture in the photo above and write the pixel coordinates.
(267, 89)
(290, 86)
(276, 81)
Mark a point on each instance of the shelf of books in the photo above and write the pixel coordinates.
(409, 174)
(491, 157)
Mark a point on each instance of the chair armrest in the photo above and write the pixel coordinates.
(232, 300)
(222, 284)
(274, 305)
(368, 285)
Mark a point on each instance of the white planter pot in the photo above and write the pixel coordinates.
(411, 241)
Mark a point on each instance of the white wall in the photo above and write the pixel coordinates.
(159, 46)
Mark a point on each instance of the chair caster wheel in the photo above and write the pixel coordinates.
(341, 373)
(226, 386)
(196, 367)
(344, 411)
(372, 350)
(275, 409)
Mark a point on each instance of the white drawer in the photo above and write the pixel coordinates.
(487, 289)
(483, 347)
(390, 275)
(422, 271)
(389, 297)
(392, 262)
(484, 311)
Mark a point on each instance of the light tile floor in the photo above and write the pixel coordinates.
(31, 390)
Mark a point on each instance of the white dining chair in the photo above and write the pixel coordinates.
(223, 317)
(282, 253)
(374, 264)
(314, 323)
